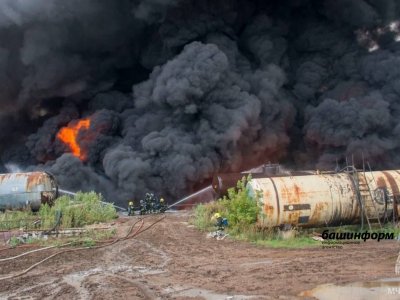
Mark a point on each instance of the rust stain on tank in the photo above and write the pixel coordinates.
(292, 195)
(33, 180)
(395, 192)
(269, 211)
(293, 217)
(297, 192)
(285, 194)
(380, 182)
(5, 177)
(319, 208)
(392, 183)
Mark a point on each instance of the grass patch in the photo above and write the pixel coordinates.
(14, 242)
(83, 209)
(203, 214)
(80, 210)
(296, 242)
(88, 238)
(18, 219)
(273, 237)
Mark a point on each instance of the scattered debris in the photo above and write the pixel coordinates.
(219, 235)
(317, 238)
(27, 238)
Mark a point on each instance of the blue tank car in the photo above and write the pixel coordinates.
(21, 191)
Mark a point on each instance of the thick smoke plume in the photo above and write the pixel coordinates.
(177, 90)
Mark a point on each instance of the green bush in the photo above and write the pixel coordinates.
(204, 212)
(17, 219)
(241, 209)
(82, 209)
(238, 207)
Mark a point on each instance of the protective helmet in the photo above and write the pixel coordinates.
(161, 199)
(130, 203)
(217, 215)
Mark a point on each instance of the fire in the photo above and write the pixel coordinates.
(68, 135)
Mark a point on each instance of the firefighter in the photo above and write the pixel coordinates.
(147, 203)
(163, 206)
(131, 208)
(142, 207)
(153, 203)
(220, 222)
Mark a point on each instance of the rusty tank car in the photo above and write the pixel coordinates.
(312, 199)
(20, 191)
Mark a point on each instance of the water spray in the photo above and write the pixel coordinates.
(191, 196)
(66, 192)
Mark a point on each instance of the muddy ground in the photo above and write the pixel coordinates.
(172, 260)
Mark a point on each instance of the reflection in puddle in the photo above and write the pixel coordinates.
(371, 290)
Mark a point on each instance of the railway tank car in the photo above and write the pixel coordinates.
(319, 199)
(20, 191)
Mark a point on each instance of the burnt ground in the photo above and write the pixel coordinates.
(173, 260)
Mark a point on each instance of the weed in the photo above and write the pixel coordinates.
(82, 209)
(296, 242)
(88, 242)
(14, 242)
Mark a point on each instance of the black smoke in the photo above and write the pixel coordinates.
(177, 90)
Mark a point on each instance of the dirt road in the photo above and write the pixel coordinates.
(172, 260)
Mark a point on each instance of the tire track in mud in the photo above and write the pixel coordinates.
(112, 260)
(116, 261)
(173, 260)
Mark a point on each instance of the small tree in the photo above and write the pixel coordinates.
(239, 207)
(242, 209)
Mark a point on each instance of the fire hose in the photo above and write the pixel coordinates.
(129, 235)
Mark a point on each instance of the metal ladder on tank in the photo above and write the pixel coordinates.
(363, 214)
(366, 197)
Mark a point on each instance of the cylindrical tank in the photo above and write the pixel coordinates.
(222, 182)
(19, 191)
(324, 199)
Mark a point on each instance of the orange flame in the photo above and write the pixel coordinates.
(69, 134)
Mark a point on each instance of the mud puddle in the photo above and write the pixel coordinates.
(371, 290)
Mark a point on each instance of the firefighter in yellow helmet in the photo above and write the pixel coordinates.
(131, 208)
(163, 205)
(217, 216)
(217, 219)
(220, 222)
